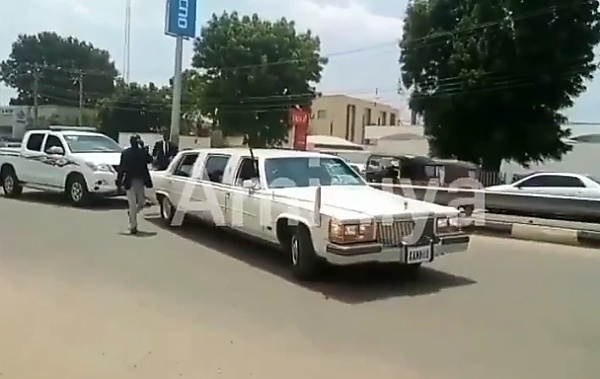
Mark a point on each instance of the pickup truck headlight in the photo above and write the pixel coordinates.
(447, 225)
(351, 233)
(100, 167)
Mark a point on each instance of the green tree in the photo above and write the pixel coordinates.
(252, 71)
(135, 108)
(491, 77)
(59, 63)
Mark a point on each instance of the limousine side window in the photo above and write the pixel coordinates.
(214, 167)
(247, 171)
(185, 165)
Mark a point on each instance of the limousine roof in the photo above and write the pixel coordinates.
(262, 153)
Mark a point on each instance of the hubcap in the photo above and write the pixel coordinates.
(166, 208)
(9, 184)
(76, 191)
(295, 250)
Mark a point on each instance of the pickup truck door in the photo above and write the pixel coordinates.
(55, 174)
(32, 165)
(243, 209)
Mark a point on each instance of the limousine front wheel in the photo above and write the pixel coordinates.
(305, 263)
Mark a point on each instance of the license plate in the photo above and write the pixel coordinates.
(418, 254)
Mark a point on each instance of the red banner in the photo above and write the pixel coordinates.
(299, 120)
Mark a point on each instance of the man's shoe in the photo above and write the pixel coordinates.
(133, 231)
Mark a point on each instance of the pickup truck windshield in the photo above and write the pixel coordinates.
(91, 143)
(306, 172)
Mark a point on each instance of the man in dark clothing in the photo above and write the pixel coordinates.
(134, 177)
(164, 150)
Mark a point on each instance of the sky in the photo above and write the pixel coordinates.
(360, 35)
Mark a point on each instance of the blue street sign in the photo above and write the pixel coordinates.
(180, 18)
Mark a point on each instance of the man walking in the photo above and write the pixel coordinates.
(164, 150)
(134, 177)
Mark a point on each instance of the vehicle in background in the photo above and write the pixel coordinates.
(356, 158)
(10, 144)
(553, 184)
(271, 195)
(78, 162)
(416, 169)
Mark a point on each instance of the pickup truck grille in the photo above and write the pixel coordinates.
(394, 233)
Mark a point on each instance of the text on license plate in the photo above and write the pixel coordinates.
(418, 254)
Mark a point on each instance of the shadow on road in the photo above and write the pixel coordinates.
(59, 200)
(350, 285)
(139, 234)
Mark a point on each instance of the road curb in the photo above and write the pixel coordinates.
(536, 233)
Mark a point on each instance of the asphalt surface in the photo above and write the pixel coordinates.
(82, 299)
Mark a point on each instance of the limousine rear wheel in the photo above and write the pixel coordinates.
(167, 210)
(305, 263)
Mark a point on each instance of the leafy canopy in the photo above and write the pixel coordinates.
(59, 63)
(135, 108)
(491, 77)
(252, 72)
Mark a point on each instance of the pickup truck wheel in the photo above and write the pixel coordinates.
(305, 263)
(10, 183)
(167, 211)
(77, 191)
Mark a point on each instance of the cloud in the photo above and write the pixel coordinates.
(342, 25)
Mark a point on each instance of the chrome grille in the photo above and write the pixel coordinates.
(396, 232)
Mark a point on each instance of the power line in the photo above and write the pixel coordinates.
(444, 86)
(417, 42)
(74, 70)
(282, 105)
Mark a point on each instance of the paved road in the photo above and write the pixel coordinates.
(79, 299)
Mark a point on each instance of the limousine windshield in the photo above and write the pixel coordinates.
(291, 172)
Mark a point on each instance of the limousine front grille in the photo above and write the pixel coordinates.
(395, 232)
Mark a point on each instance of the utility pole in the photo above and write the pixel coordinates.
(176, 107)
(36, 108)
(80, 98)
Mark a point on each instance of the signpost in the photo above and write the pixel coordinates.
(180, 22)
(299, 119)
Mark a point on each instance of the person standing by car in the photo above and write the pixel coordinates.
(164, 150)
(134, 176)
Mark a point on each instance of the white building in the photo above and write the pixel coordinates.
(16, 119)
(396, 140)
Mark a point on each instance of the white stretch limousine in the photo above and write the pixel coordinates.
(312, 205)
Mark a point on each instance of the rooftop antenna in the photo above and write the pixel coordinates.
(254, 162)
(127, 44)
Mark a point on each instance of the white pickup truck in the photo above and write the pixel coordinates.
(69, 160)
(313, 206)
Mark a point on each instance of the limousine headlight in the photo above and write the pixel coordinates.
(351, 233)
(447, 225)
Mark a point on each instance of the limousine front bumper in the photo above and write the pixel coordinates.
(404, 253)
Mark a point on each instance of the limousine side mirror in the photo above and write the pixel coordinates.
(249, 184)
